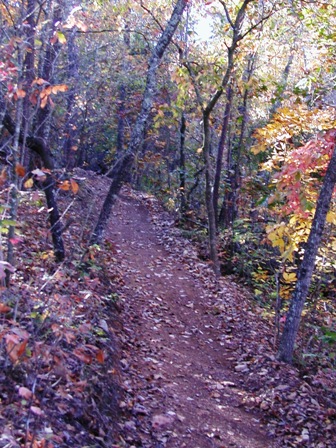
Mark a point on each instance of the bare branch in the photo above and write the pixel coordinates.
(227, 14)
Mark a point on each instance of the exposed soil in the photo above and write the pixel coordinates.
(182, 389)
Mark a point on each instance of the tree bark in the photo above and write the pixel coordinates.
(122, 168)
(28, 76)
(69, 152)
(122, 95)
(183, 205)
(220, 154)
(228, 212)
(305, 272)
(48, 186)
(206, 113)
(209, 196)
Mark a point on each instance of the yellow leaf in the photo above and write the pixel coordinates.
(29, 183)
(61, 38)
(256, 149)
(331, 217)
(289, 277)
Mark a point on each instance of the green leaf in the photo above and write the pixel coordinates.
(61, 38)
(7, 222)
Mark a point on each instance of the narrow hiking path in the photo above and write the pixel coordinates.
(184, 364)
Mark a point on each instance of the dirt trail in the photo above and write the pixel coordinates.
(178, 368)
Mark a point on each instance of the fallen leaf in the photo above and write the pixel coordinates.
(20, 170)
(36, 410)
(161, 420)
(4, 308)
(100, 356)
(26, 393)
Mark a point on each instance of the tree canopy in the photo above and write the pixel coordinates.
(225, 111)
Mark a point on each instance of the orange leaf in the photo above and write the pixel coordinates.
(22, 348)
(4, 308)
(20, 93)
(44, 102)
(65, 186)
(39, 81)
(33, 97)
(59, 88)
(20, 170)
(74, 186)
(3, 177)
(15, 351)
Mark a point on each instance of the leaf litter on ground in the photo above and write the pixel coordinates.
(110, 349)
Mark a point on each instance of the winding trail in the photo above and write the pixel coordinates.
(182, 385)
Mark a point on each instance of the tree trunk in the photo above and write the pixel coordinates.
(28, 77)
(183, 205)
(37, 145)
(306, 268)
(282, 86)
(47, 73)
(228, 212)
(122, 168)
(69, 146)
(212, 229)
(221, 147)
(207, 108)
(122, 95)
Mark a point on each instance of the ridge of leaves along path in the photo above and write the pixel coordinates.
(183, 372)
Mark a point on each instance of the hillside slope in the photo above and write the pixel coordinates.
(135, 344)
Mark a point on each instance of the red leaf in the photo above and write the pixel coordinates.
(20, 170)
(100, 356)
(4, 308)
(80, 353)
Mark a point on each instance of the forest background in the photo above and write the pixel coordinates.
(236, 144)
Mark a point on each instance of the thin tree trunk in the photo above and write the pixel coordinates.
(69, 147)
(206, 113)
(306, 268)
(182, 167)
(122, 168)
(13, 200)
(228, 212)
(122, 96)
(28, 76)
(47, 73)
(221, 147)
(209, 197)
(282, 86)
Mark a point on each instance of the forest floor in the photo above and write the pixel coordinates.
(135, 344)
